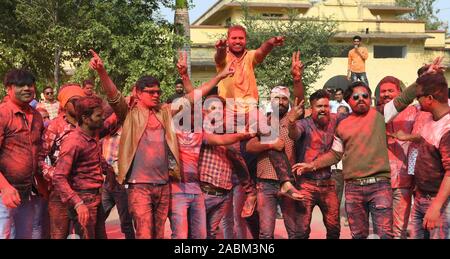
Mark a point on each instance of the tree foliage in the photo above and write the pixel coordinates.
(131, 39)
(311, 37)
(424, 10)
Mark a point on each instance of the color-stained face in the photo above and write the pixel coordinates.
(237, 41)
(95, 121)
(320, 111)
(283, 103)
(150, 96)
(360, 100)
(70, 106)
(425, 101)
(388, 91)
(88, 90)
(21, 94)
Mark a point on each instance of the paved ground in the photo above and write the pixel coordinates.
(317, 227)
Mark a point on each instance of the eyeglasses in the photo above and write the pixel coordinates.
(48, 93)
(363, 95)
(46, 117)
(153, 92)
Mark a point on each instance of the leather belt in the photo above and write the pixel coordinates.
(211, 190)
(368, 180)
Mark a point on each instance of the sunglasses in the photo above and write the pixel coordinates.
(46, 117)
(363, 95)
(48, 93)
(153, 92)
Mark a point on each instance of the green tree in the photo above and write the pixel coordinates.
(41, 35)
(311, 37)
(424, 10)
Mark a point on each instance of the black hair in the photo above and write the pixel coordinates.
(19, 77)
(357, 37)
(319, 94)
(88, 82)
(86, 106)
(179, 81)
(349, 92)
(146, 81)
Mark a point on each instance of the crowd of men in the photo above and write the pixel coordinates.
(217, 165)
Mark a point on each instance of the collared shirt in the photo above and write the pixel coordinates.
(79, 166)
(334, 105)
(264, 167)
(110, 145)
(241, 87)
(52, 108)
(214, 166)
(55, 132)
(313, 141)
(20, 141)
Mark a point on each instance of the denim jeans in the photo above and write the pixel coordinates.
(326, 198)
(59, 217)
(149, 207)
(215, 209)
(41, 220)
(119, 198)
(401, 208)
(17, 223)
(188, 216)
(360, 76)
(420, 207)
(267, 201)
(375, 199)
(233, 225)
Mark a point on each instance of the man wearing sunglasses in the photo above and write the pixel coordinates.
(49, 103)
(357, 58)
(148, 149)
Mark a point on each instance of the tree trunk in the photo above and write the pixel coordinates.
(57, 71)
(182, 27)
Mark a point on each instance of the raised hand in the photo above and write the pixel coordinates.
(221, 44)
(436, 66)
(182, 63)
(277, 41)
(227, 71)
(297, 111)
(297, 66)
(96, 62)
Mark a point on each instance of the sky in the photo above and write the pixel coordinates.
(201, 6)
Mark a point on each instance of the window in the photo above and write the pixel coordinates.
(390, 51)
(228, 22)
(341, 51)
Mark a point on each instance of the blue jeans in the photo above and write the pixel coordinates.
(361, 76)
(119, 198)
(17, 223)
(267, 201)
(41, 221)
(420, 207)
(188, 216)
(215, 209)
(234, 226)
(375, 199)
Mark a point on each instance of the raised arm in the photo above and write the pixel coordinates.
(297, 75)
(294, 115)
(221, 52)
(183, 71)
(115, 98)
(267, 47)
(255, 146)
(226, 139)
(362, 52)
